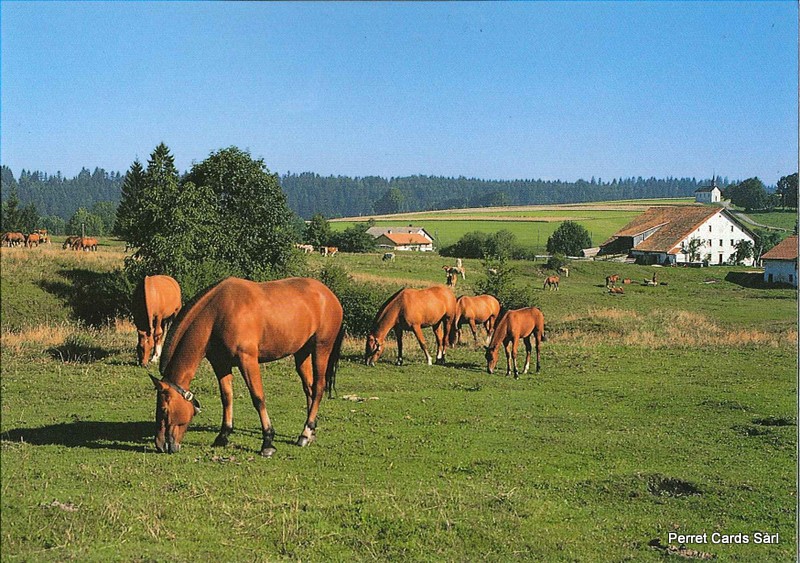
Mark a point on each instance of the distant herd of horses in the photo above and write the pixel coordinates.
(35, 238)
(40, 236)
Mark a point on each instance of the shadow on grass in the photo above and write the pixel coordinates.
(126, 436)
(123, 436)
(94, 297)
(753, 280)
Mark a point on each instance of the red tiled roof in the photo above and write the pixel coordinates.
(406, 238)
(784, 250)
(674, 224)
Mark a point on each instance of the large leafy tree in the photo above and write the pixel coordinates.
(84, 222)
(569, 239)
(254, 226)
(750, 194)
(318, 230)
(787, 190)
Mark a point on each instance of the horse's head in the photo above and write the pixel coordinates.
(491, 358)
(373, 350)
(144, 347)
(175, 408)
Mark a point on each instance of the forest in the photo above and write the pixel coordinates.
(307, 193)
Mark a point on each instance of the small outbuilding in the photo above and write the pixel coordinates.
(708, 194)
(780, 262)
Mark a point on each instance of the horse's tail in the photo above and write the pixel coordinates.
(333, 363)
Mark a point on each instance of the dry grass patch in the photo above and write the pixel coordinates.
(659, 329)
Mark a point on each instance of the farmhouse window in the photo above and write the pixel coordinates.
(709, 228)
(732, 243)
(720, 242)
(731, 228)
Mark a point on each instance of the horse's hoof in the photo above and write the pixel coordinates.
(220, 442)
(303, 440)
(268, 452)
(399, 363)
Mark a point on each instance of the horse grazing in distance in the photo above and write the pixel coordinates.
(564, 270)
(13, 239)
(551, 282)
(156, 302)
(611, 281)
(481, 309)
(520, 323)
(33, 239)
(70, 242)
(243, 323)
(388, 257)
(328, 250)
(618, 290)
(305, 248)
(88, 243)
(413, 309)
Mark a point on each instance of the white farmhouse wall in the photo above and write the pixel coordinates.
(720, 236)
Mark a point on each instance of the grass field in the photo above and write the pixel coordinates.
(667, 409)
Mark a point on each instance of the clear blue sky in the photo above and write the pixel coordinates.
(492, 90)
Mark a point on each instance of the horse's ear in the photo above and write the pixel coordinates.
(159, 385)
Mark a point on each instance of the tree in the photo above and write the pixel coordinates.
(127, 209)
(744, 251)
(11, 217)
(318, 231)
(787, 190)
(84, 222)
(569, 239)
(692, 249)
(255, 230)
(750, 194)
(391, 202)
(355, 239)
(106, 211)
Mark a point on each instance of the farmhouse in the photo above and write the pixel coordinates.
(680, 235)
(402, 238)
(708, 194)
(780, 263)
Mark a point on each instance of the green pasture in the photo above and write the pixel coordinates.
(669, 408)
(530, 234)
(780, 219)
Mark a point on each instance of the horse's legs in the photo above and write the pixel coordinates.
(538, 337)
(527, 341)
(305, 369)
(473, 327)
(321, 357)
(439, 333)
(507, 347)
(398, 333)
(158, 337)
(223, 371)
(421, 339)
(248, 364)
(514, 346)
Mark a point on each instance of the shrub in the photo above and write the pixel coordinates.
(360, 301)
(557, 261)
(569, 238)
(103, 298)
(499, 282)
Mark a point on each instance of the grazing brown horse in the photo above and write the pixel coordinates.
(243, 323)
(618, 290)
(413, 309)
(70, 242)
(156, 301)
(481, 309)
(611, 281)
(551, 282)
(33, 239)
(13, 239)
(88, 243)
(520, 323)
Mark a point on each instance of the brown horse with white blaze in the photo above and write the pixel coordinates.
(156, 302)
(478, 310)
(520, 323)
(413, 309)
(243, 323)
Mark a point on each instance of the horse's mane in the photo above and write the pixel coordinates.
(179, 326)
(383, 307)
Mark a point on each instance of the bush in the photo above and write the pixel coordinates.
(499, 282)
(502, 245)
(557, 261)
(360, 301)
(569, 239)
(103, 298)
